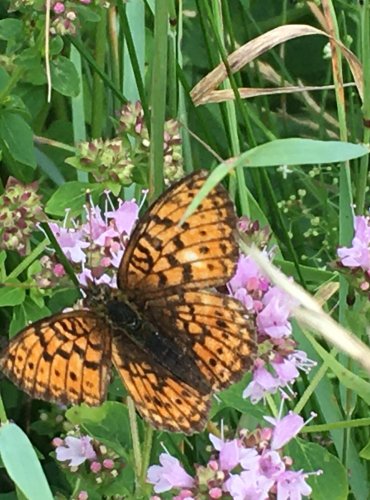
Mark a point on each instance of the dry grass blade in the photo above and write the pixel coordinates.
(309, 313)
(263, 43)
(247, 92)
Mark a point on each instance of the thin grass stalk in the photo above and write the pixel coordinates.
(345, 201)
(98, 93)
(364, 161)
(114, 50)
(158, 99)
(78, 111)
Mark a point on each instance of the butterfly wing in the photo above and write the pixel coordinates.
(161, 398)
(212, 328)
(65, 358)
(162, 256)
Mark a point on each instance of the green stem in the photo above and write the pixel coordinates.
(138, 463)
(147, 448)
(98, 84)
(364, 161)
(158, 99)
(3, 417)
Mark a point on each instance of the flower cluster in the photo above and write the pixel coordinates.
(124, 159)
(95, 248)
(86, 456)
(278, 361)
(20, 211)
(64, 16)
(251, 466)
(357, 257)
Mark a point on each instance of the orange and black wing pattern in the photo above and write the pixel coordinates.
(212, 328)
(65, 359)
(162, 256)
(161, 398)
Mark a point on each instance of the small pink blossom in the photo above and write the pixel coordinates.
(59, 8)
(170, 474)
(76, 450)
(108, 463)
(291, 485)
(263, 382)
(83, 495)
(285, 429)
(230, 452)
(95, 467)
(125, 216)
(215, 493)
(358, 255)
(273, 320)
(71, 242)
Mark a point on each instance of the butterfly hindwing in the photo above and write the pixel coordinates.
(212, 328)
(160, 397)
(162, 256)
(65, 358)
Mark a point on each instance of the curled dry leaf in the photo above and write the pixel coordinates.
(205, 89)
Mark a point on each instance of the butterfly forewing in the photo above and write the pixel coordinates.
(160, 397)
(212, 328)
(162, 256)
(65, 358)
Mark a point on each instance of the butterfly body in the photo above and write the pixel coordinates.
(171, 337)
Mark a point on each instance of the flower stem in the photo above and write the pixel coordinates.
(135, 440)
(147, 448)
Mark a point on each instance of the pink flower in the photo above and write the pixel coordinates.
(248, 485)
(184, 495)
(59, 8)
(285, 429)
(230, 452)
(215, 493)
(359, 254)
(125, 216)
(108, 463)
(262, 382)
(83, 495)
(285, 369)
(77, 450)
(95, 467)
(72, 242)
(291, 485)
(97, 229)
(273, 320)
(170, 474)
(271, 464)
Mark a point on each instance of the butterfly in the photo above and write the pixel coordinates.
(172, 338)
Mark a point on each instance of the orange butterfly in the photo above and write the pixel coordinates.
(173, 340)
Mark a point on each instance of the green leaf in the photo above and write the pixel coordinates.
(11, 295)
(22, 464)
(17, 136)
(108, 423)
(64, 77)
(365, 452)
(232, 397)
(295, 151)
(10, 29)
(310, 457)
(24, 313)
(4, 79)
(72, 196)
